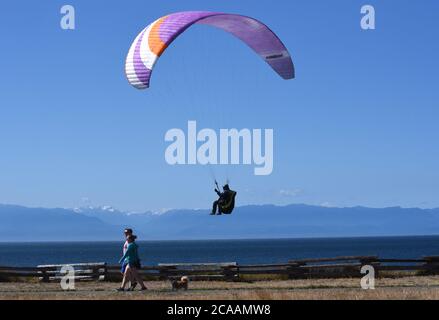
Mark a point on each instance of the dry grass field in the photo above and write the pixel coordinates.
(407, 288)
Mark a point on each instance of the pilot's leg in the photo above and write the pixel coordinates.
(214, 208)
(220, 202)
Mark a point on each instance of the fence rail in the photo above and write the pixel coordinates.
(338, 267)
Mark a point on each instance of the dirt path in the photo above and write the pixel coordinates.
(402, 288)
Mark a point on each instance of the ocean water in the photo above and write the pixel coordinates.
(241, 251)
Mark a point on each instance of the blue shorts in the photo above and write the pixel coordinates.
(124, 266)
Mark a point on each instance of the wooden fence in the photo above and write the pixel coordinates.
(80, 271)
(47, 273)
(338, 267)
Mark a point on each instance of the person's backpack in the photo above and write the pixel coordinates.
(227, 206)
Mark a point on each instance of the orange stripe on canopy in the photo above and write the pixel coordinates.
(156, 44)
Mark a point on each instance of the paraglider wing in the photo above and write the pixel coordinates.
(156, 37)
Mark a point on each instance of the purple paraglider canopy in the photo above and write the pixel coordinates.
(156, 37)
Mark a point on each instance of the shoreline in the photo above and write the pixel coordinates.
(224, 240)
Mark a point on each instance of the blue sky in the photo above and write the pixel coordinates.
(358, 126)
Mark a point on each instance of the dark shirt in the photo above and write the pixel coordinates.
(224, 195)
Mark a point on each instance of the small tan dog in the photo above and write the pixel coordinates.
(182, 284)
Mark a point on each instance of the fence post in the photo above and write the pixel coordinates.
(432, 264)
(294, 270)
(104, 273)
(45, 275)
(163, 273)
(230, 273)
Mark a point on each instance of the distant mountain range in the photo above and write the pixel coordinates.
(19, 223)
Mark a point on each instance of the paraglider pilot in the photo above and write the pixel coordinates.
(225, 203)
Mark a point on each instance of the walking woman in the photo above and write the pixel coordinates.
(131, 258)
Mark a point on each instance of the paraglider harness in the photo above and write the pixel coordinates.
(226, 205)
